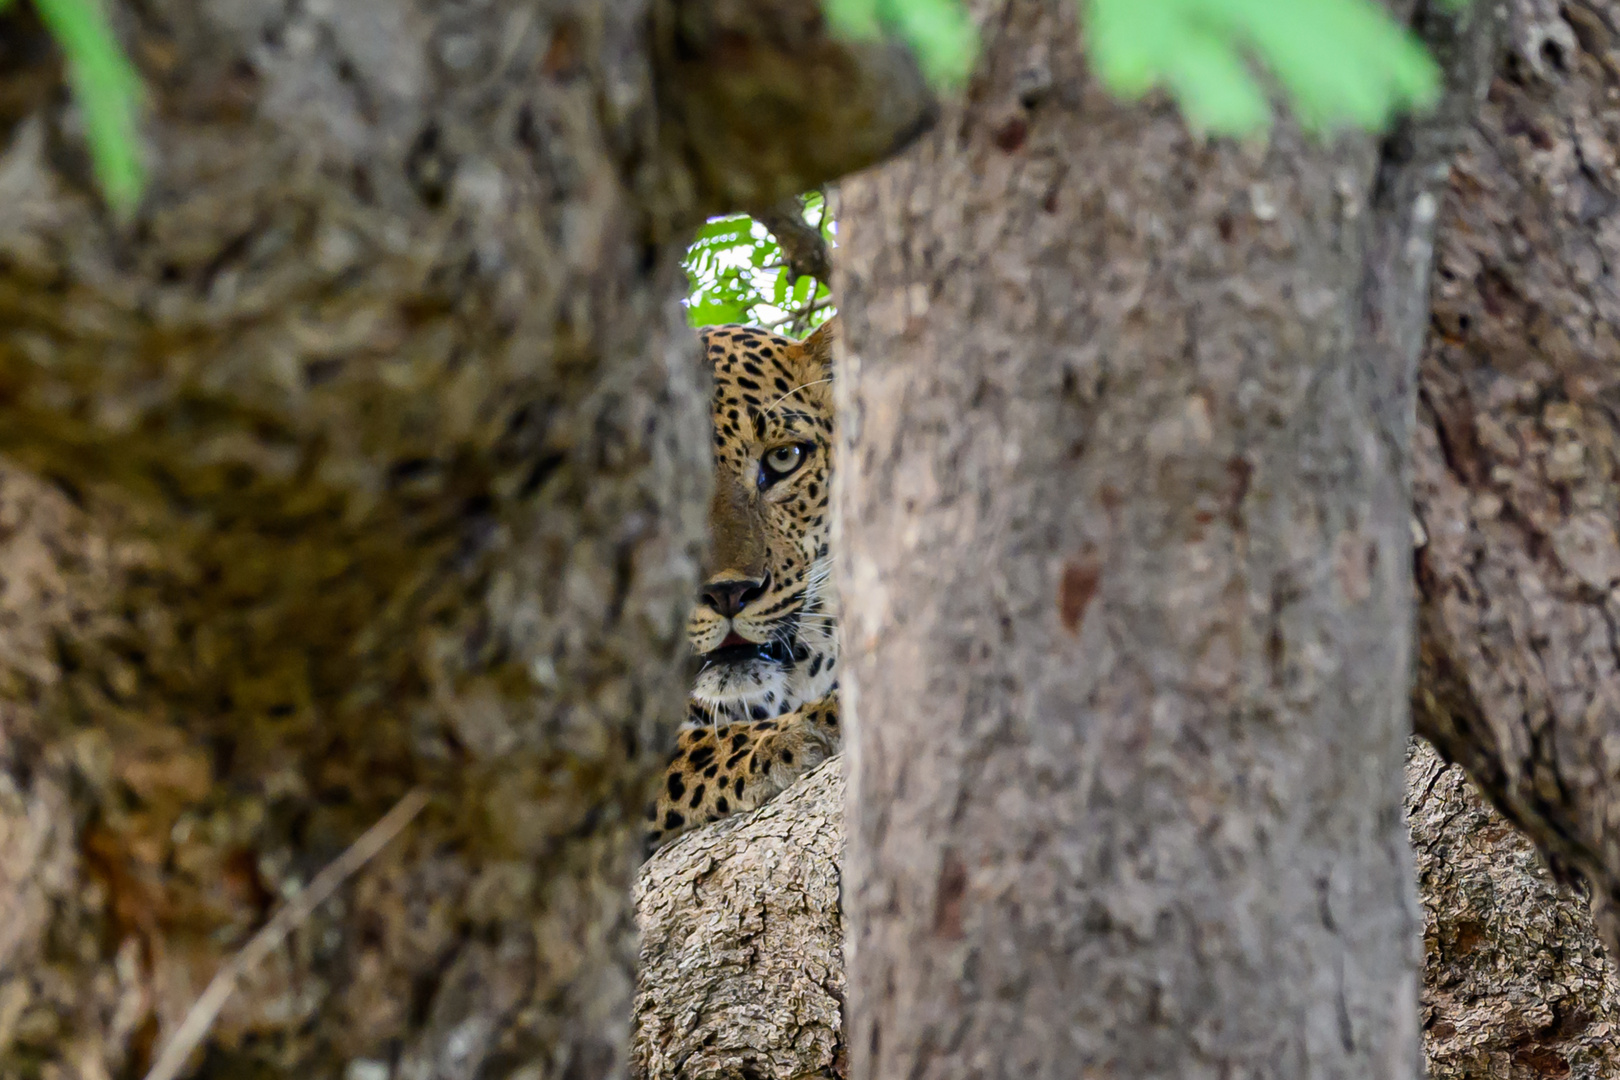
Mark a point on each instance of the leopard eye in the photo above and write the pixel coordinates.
(778, 463)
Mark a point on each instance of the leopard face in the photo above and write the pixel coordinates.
(763, 627)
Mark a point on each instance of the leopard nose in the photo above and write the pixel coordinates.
(731, 595)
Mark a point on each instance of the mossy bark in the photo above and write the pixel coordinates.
(370, 454)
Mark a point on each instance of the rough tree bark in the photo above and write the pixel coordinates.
(742, 945)
(1515, 983)
(1518, 450)
(368, 456)
(1127, 583)
(742, 965)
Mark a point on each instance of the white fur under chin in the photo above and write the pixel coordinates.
(731, 692)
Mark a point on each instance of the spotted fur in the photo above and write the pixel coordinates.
(764, 708)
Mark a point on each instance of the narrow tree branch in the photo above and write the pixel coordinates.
(803, 247)
(194, 1028)
(742, 968)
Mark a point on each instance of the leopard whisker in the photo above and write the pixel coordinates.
(803, 386)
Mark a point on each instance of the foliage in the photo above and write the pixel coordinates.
(737, 274)
(938, 31)
(1339, 62)
(108, 92)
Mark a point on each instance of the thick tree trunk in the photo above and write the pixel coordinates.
(374, 459)
(1127, 585)
(1518, 450)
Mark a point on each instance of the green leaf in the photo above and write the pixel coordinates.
(714, 313)
(857, 19)
(1340, 62)
(939, 32)
(108, 92)
(728, 231)
(734, 274)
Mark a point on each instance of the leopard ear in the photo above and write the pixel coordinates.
(817, 349)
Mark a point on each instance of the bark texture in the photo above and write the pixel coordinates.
(370, 454)
(1516, 985)
(742, 965)
(1127, 585)
(742, 954)
(1518, 450)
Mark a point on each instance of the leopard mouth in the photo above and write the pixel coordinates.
(736, 650)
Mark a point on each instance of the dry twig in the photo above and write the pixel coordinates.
(206, 1009)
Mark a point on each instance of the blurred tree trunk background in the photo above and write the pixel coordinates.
(368, 457)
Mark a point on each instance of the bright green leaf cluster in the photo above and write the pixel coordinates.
(736, 274)
(1339, 62)
(108, 92)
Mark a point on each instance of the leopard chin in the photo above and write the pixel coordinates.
(759, 682)
(748, 689)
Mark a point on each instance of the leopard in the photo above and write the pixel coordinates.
(762, 709)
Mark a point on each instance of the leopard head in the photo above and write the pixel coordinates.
(763, 628)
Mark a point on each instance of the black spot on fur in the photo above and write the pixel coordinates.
(677, 786)
(697, 795)
(672, 820)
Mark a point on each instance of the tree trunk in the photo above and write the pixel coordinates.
(742, 965)
(1127, 583)
(742, 941)
(1518, 450)
(370, 456)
